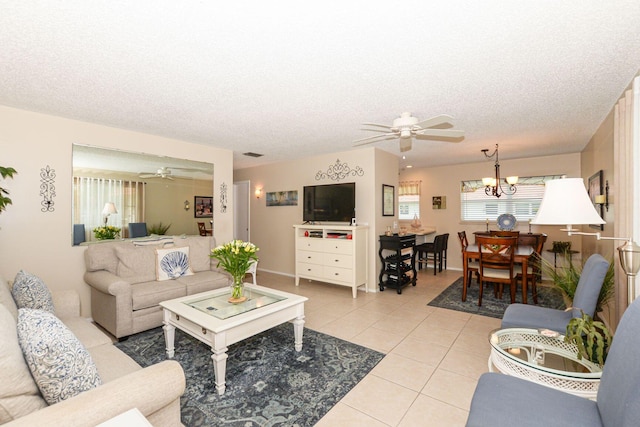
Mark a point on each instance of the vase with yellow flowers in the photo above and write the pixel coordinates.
(235, 257)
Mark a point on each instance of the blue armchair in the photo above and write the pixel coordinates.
(585, 299)
(502, 400)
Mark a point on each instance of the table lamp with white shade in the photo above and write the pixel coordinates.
(109, 208)
(566, 202)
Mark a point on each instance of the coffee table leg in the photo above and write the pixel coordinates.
(169, 338)
(219, 358)
(298, 327)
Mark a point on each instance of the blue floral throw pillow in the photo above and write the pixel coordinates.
(61, 366)
(29, 291)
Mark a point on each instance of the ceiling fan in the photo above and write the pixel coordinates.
(406, 127)
(163, 172)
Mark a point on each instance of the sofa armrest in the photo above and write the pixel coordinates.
(107, 282)
(66, 303)
(154, 390)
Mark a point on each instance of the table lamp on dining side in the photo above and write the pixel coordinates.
(109, 208)
(566, 202)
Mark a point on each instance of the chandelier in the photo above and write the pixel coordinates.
(493, 185)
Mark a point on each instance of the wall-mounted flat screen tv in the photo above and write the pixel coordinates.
(331, 202)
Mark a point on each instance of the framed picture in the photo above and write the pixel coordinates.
(203, 207)
(594, 190)
(388, 200)
(282, 198)
(439, 202)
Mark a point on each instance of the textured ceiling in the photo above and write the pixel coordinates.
(291, 79)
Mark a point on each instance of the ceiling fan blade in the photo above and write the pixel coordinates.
(371, 138)
(435, 121)
(445, 133)
(376, 124)
(147, 175)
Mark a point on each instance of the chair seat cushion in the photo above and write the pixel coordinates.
(497, 273)
(531, 316)
(502, 400)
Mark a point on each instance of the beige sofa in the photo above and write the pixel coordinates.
(125, 292)
(155, 391)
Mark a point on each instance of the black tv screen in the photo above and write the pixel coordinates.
(332, 202)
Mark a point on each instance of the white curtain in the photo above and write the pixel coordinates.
(626, 201)
(91, 194)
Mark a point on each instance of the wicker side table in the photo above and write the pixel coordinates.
(543, 357)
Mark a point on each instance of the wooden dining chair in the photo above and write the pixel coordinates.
(534, 269)
(202, 229)
(496, 264)
(472, 265)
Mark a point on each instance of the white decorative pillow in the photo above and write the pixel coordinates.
(19, 394)
(172, 263)
(60, 364)
(29, 291)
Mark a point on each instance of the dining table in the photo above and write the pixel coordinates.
(521, 256)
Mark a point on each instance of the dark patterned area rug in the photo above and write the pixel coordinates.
(268, 383)
(451, 298)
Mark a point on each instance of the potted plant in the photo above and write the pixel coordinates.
(106, 232)
(5, 172)
(234, 257)
(591, 337)
(159, 229)
(566, 279)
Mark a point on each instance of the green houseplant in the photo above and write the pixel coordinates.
(234, 257)
(566, 279)
(5, 172)
(159, 229)
(591, 337)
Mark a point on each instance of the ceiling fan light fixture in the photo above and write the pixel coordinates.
(405, 133)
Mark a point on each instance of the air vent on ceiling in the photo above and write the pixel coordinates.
(250, 154)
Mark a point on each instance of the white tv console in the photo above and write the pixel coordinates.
(332, 253)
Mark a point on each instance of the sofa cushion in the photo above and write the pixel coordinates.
(205, 281)
(19, 394)
(199, 251)
(102, 256)
(61, 366)
(29, 291)
(172, 263)
(6, 299)
(150, 294)
(86, 332)
(136, 264)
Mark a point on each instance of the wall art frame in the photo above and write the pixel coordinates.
(595, 189)
(203, 207)
(388, 200)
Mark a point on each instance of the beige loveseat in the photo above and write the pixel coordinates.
(155, 391)
(125, 292)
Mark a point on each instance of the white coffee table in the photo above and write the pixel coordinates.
(210, 318)
(543, 357)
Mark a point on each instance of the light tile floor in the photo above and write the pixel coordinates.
(433, 360)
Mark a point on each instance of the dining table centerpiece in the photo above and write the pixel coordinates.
(106, 232)
(235, 257)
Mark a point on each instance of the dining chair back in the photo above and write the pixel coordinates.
(496, 264)
(78, 234)
(202, 229)
(137, 229)
(445, 248)
(472, 265)
(462, 236)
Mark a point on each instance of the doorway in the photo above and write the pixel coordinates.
(241, 199)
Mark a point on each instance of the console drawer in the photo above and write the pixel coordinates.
(337, 274)
(338, 260)
(339, 246)
(310, 257)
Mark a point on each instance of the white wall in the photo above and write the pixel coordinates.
(272, 227)
(40, 242)
(445, 181)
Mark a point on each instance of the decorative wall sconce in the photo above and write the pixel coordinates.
(492, 185)
(186, 205)
(603, 199)
(258, 192)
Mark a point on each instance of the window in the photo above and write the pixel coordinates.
(523, 204)
(409, 199)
